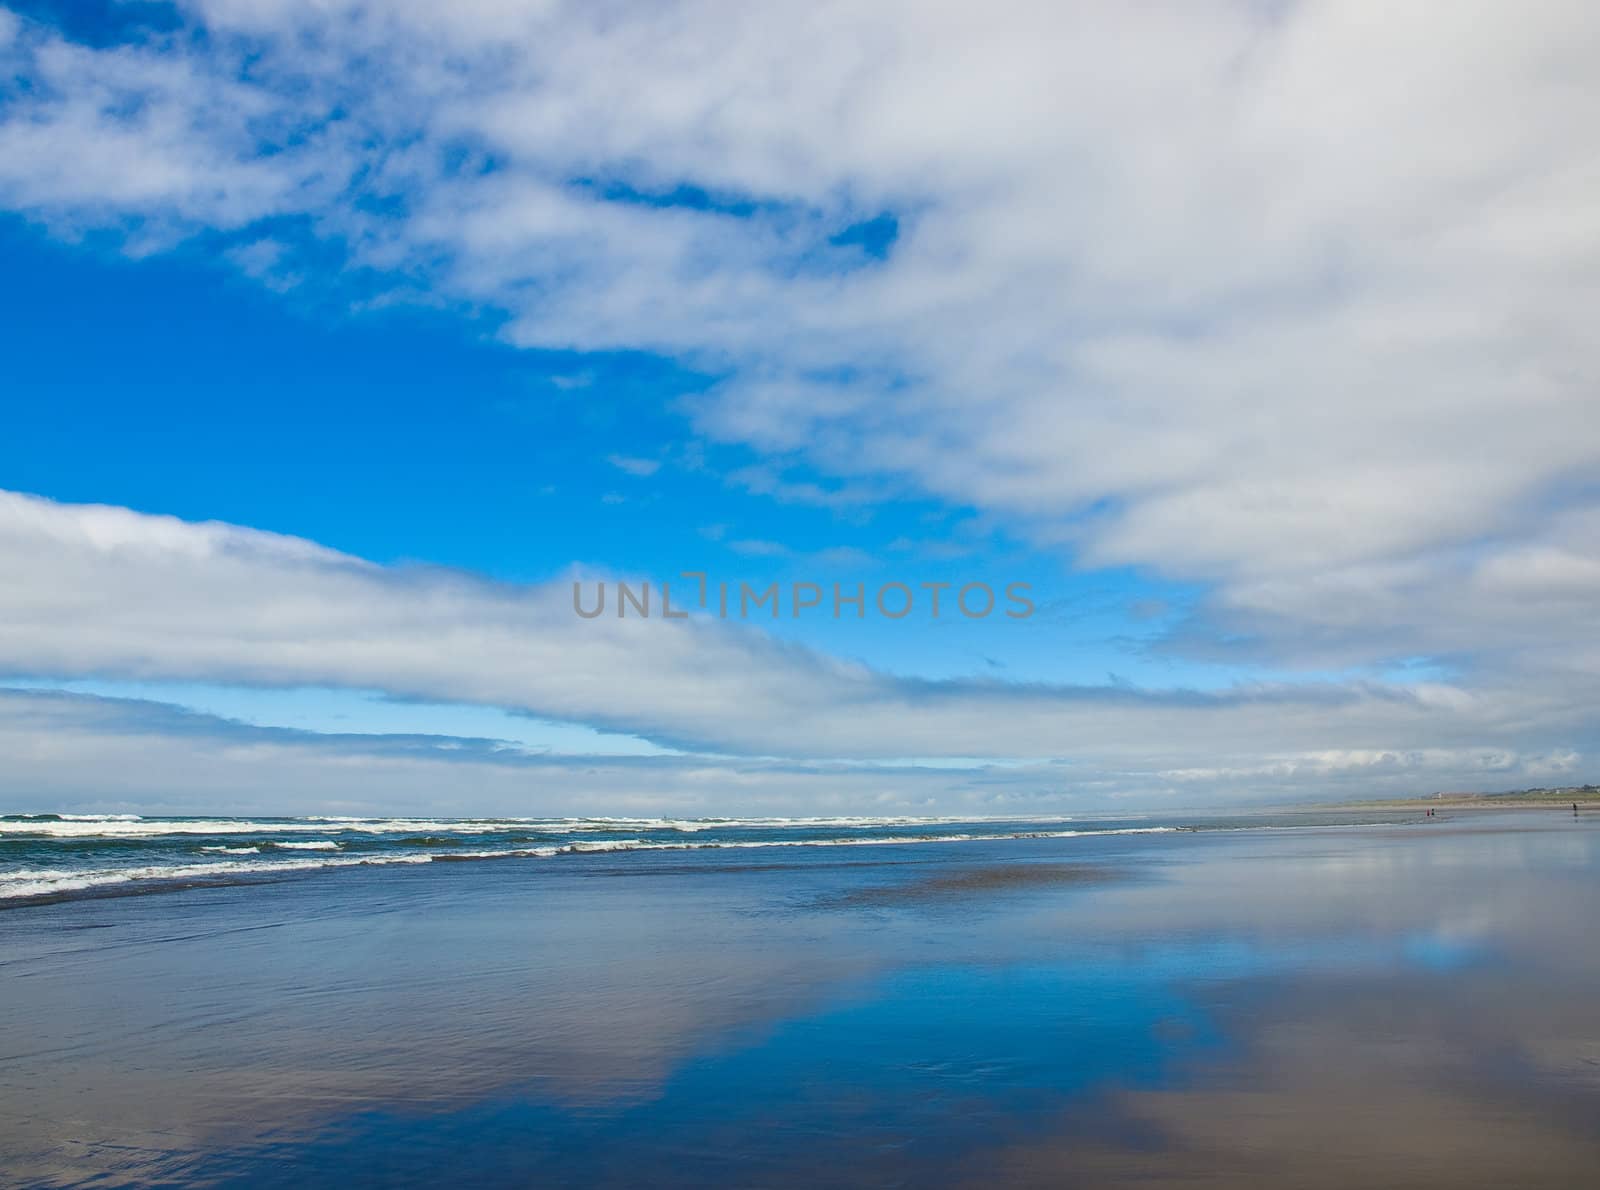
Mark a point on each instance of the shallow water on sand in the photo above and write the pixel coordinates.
(1411, 1005)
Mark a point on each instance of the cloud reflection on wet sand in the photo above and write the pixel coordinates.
(1392, 1006)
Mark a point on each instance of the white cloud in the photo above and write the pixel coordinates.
(78, 752)
(1292, 300)
(109, 593)
(161, 145)
(66, 751)
(638, 468)
(755, 547)
(1270, 289)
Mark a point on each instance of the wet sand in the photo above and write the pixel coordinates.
(1397, 1006)
(933, 888)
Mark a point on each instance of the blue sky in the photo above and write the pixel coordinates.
(414, 436)
(1279, 405)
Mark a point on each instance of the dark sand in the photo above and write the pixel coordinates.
(934, 887)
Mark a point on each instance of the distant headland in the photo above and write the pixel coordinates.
(1552, 797)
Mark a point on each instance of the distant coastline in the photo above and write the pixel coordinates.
(1512, 799)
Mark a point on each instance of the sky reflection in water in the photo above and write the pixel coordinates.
(1413, 1003)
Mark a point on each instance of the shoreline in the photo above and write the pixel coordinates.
(149, 856)
(1114, 1010)
(1485, 802)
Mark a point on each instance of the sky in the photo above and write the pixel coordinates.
(342, 340)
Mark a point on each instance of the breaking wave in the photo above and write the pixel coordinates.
(56, 856)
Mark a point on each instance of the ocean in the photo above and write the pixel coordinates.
(63, 856)
(1296, 1000)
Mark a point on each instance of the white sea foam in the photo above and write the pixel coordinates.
(131, 826)
(149, 828)
(871, 841)
(101, 817)
(35, 882)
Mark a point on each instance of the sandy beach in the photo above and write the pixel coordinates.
(1410, 1004)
